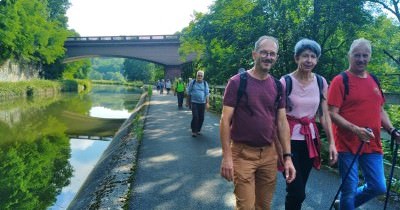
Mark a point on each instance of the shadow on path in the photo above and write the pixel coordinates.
(177, 171)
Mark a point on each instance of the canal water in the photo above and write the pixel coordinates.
(48, 146)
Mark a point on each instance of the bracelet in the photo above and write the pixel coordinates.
(287, 155)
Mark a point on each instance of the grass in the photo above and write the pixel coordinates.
(29, 88)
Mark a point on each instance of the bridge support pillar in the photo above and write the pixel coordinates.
(172, 72)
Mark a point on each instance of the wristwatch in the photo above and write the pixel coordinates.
(287, 155)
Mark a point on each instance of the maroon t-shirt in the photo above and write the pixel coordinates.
(257, 129)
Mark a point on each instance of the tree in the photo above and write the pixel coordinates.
(95, 75)
(392, 6)
(28, 33)
(58, 10)
(138, 70)
(224, 38)
(77, 69)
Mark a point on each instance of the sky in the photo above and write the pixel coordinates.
(132, 17)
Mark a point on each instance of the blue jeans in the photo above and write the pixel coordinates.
(371, 166)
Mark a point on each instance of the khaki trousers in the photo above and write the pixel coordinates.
(255, 171)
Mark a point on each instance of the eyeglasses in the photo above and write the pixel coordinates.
(199, 75)
(264, 54)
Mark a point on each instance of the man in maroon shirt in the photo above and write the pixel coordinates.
(251, 129)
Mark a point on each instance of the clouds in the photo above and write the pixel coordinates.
(132, 17)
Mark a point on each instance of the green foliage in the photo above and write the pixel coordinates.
(104, 64)
(77, 70)
(149, 90)
(114, 76)
(76, 85)
(57, 11)
(140, 70)
(33, 164)
(95, 75)
(106, 68)
(108, 82)
(27, 33)
(224, 38)
(28, 88)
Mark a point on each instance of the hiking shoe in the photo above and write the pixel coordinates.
(194, 135)
(336, 205)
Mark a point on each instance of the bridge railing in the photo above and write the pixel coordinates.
(124, 38)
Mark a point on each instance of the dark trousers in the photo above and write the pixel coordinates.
(197, 117)
(296, 191)
(180, 98)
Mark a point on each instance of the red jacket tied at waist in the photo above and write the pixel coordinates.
(314, 148)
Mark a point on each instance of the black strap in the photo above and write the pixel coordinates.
(242, 92)
(242, 87)
(345, 84)
(288, 82)
(279, 93)
(321, 93)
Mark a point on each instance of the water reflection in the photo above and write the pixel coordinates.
(103, 112)
(84, 155)
(37, 158)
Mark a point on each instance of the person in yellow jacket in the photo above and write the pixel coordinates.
(180, 92)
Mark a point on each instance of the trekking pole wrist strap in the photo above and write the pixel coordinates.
(394, 132)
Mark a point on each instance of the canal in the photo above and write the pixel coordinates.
(48, 146)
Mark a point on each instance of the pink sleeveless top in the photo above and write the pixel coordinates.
(305, 100)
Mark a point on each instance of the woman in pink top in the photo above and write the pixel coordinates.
(304, 100)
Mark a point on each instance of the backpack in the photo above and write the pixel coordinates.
(242, 91)
(346, 84)
(288, 81)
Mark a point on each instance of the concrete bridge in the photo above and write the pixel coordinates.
(159, 49)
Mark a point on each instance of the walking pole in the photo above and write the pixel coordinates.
(391, 172)
(347, 173)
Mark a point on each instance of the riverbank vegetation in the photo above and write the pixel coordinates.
(28, 88)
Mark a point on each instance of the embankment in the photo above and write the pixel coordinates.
(107, 186)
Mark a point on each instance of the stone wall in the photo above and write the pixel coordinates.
(12, 71)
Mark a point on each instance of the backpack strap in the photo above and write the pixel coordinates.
(288, 82)
(345, 84)
(279, 90)
(321, 94)
(242, 91)
(205, 86)
(242, 87)
(191, 86)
